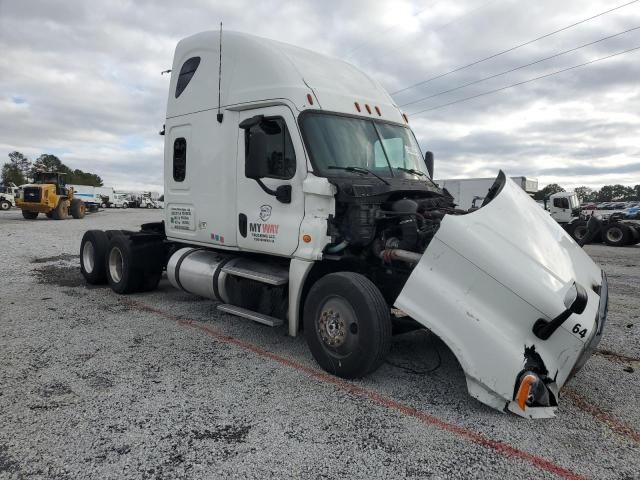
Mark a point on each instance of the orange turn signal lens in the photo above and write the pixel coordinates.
(306, 238)
(368, 108)
(309, 99)
(524, 390)
(357, 105)
(404, 115)
(378, 111)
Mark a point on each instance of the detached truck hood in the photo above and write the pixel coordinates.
(484, 281)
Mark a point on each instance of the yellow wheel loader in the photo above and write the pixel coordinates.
(48, 194)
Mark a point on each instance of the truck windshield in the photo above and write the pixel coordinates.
(336, 143)
(573, 202)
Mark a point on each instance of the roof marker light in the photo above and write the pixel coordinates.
(378, 111)
(357, 105)
(367, 107)
(404, 115)
(309, 99)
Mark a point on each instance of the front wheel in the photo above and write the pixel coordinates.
(347, 324)
(61, 212)
(78, 208)
(578, 230)
(5, 205)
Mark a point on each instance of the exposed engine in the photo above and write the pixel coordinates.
(390, 225)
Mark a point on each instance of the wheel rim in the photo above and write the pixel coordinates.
(614, 234)
(337, 326)
(87, 257)
(580, 232)
(115, 264)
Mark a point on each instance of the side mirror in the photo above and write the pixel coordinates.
(428, 161)
(575, 302)
(255, 163)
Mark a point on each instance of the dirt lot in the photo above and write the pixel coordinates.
(161, 385)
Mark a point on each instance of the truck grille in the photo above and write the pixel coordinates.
(32, 194)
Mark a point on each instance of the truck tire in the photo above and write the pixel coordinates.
(29, 215)
(5, 204)
(578, 230)
(122, 275)
(347, 324)
(616, 235)
(125, 205)
(61, 212)
(93, 249)
(78, 209)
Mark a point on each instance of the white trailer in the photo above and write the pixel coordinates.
(303, 199)
(470, 192)
(99, 196)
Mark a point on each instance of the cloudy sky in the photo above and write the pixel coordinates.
(81, 79)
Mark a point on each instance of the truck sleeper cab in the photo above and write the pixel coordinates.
(303, 199)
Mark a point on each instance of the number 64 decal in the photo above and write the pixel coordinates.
(577, 329)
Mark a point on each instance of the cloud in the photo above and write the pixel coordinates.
(83, 79)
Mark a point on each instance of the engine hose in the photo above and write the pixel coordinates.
(338, 248)
(401, 255)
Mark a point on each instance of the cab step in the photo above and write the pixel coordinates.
(251, 315)
(256, 271)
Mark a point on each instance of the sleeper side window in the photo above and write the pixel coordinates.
(186, 73)
(179, 159)
(279, 156)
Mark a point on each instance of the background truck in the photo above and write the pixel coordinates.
(119, 200)
(50, 195)
(7, 196)
(469, 192)
(614, 230)
(297, 194)
(95, 197)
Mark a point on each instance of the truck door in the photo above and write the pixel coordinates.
(265, 223)
(560, 210)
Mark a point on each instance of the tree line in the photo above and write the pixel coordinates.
(20, 170)
(608, 193)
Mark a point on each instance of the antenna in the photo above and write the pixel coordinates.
(219, 115)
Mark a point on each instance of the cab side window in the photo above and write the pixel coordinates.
(186, 73)
(279, 156)
(179, 159)
(561, 202)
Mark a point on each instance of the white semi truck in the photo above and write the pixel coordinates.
(8, 196)
(296, 194)
(564, 208)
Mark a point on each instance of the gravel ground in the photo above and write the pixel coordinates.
(161, 385)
